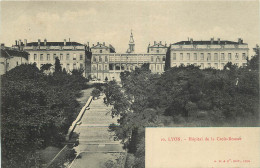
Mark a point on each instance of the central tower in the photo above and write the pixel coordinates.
(131, 44)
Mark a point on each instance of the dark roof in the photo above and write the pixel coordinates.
(223, 42)
(55, 44)
(7, 52)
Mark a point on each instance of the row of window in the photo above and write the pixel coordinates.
(117, 67)
(157, 68)
(209, 65)
(60, 56)
(158, 59)
(68, 66)
(216, 56)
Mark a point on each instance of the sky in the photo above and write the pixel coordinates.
(111, 22)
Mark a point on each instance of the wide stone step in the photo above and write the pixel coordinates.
(102, 147)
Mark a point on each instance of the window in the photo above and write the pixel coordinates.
(209, 57)
(229, 56)
(74, 66)
(174, 56)
(195, 56)
(99, 67)
(41, 57)
(151, 67)
(35, 57)
(61, 56)
(68, 56)
(100, 51)
(106, 59)
(163, 58)
(95, 59)
(188, 56)
(237, 56)
(157, 59)
(158, 67)
(209, 65)
(163, 67)
(100, 59)
(81, 66)
(157, 51)
(222, 56)
(201, 56)
(216, 56)
(17, 63)
(94, 67)
(81, 57)
(105, 67)
(222, 65)
(202, 65)
(244, 56)
(216, 65)
(152, 58)
(181, 56)
(68, 66)
(48, 57)
(54, 56)
(74, 56)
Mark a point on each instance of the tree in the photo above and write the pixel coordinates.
(253, 63)
(58, 67)
(36, 111)
(95, 93)
(46, 67)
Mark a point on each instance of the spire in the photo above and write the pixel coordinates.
(131, 44)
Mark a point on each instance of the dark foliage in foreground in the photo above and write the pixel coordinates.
(183, 96)
(36, 111)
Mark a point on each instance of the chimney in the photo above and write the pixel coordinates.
(88, 44)
(2, 45)
(218, 40)
(239, 40)
(45, 42)
(92, 45)
(160, 42)
(154, 42)
(39, 42)
(20, 42)
(191, 40)
(103, 43)
(16, 42)
(211, 40)
(97, 43)
(69, 39)
(65, 43)
(25, 42)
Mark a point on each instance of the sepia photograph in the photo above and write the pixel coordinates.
(130, 84)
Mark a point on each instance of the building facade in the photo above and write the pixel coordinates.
(10, 58)
(107, 64)
(72, 55)
(208, 54)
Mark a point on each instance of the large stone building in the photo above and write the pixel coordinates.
(106, 63)
(10, 58)
(72, 55)
(208, 54)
